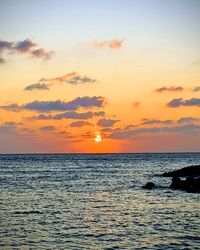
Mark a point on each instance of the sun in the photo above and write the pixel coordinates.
(98, 138)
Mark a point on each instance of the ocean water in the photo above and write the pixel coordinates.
(95, 201)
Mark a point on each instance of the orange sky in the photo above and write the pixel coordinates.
(131, 76)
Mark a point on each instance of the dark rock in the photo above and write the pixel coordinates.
(176, 183)
(184, 172)
(149, 185)
(191, 184)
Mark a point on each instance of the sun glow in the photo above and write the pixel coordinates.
(98, 138)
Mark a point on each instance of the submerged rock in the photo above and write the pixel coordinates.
(149, 185)
(184, 172)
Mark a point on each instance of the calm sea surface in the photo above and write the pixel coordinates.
(83, 201)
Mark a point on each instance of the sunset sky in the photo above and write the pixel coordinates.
(125, 70)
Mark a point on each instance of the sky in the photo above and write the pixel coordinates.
(124, 71)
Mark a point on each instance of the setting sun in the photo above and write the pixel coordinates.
(98, 138)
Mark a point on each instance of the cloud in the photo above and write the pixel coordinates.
(42, 53)
(169, 89)
(136, 104)
(68, 115)
(5, 45)
(155, 121)
(49, 106)
(79, 102)
(195, 89)
(80, 124)
(190, 119)
(106, 122)
(47, 128)
(37, 86)
(2, 60)
(180, 102)
(11, 123)
(80, 80)
(71, 78)
(11, 107)
(112, 44)
(24, 47)
(196, 63)
(189, 128)
(63, 78)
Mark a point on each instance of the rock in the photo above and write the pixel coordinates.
(184, 172)
(176, 183)
(149, 185)
(191, 184)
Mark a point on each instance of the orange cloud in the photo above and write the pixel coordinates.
(136, 104)
(112, 44)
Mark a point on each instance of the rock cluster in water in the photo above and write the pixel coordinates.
(191, 184)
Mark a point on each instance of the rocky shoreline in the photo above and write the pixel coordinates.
(190, 183)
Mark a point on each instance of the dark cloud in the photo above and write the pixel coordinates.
(73, 115)
(47, 128)
(49, 106)
(195, 89)
(79, 124)
(180, 102)
(80, 80)
(190, 119)
(68, 115)
(190, 128)
(5, 45)
(79, 102)
(37, 86)
(155, 121)
(24, 47)
(112, 44)
(169, 89)
(106, 122)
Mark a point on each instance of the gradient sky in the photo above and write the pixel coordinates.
(128, 70)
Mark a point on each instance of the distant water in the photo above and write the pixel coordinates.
(83, 201)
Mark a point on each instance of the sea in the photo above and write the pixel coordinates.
(96, 201)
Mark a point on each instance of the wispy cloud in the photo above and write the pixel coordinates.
(72, 78)
(111, 44)
(196, 89)
(180, 102)
(80, 124)
(37, 86)
(47, 128)
(106, 122)
(11, 107)
(169, 89)
(155, 121)
(24, 47)
(81, 80)
(186, 120)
